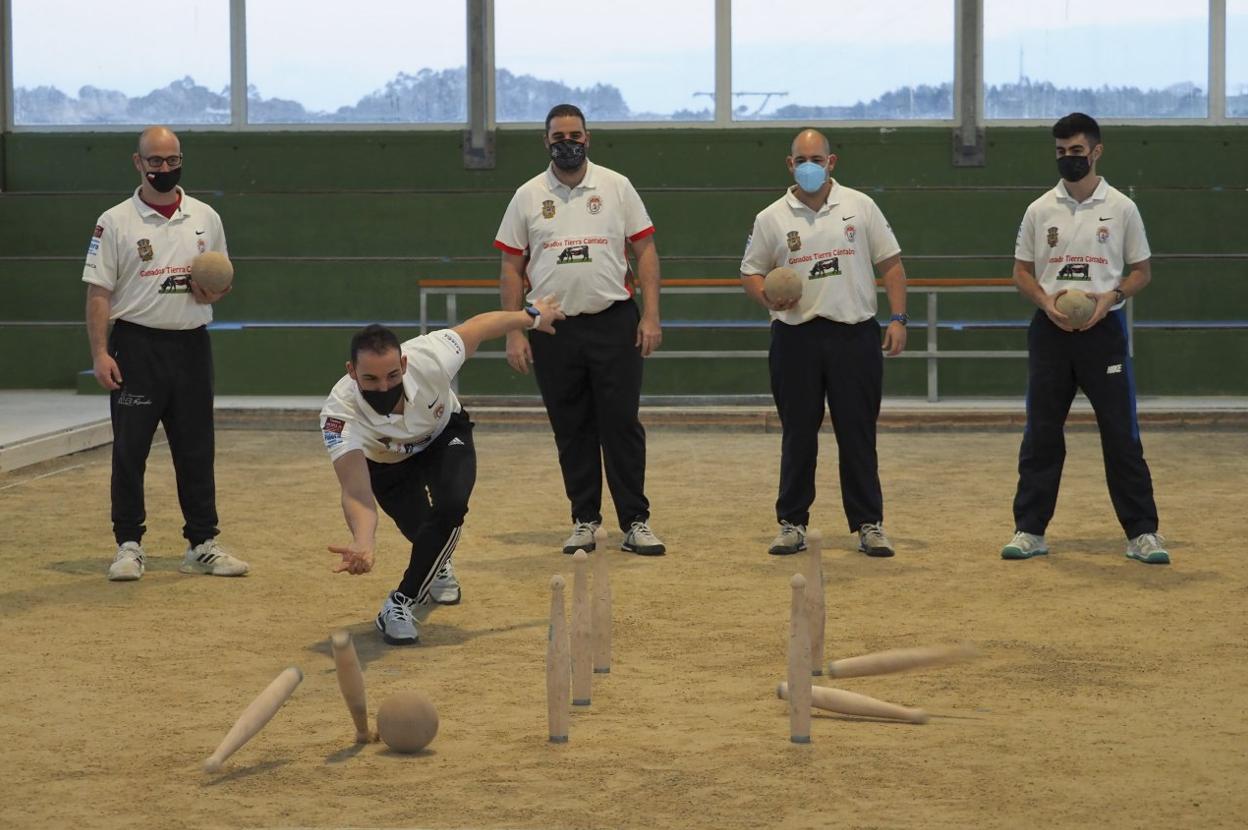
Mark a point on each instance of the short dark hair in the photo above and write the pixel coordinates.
(1072, 125)
(375, 338)
(560, 110)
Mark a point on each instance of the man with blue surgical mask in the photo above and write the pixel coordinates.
(826, 345)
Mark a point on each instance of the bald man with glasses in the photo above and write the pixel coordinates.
(156, 361)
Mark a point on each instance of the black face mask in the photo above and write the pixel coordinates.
(162, 181)
(383, 401)
(1074, 168)
(567, 154)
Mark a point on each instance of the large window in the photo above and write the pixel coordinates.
(645, 60)
(794, 60)
(1237, 58)
(1111, 59)
(372, 61)
(120, 62)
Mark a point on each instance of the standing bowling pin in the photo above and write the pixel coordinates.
(558, 665)
(601, 623)
(799, 664)
(351, 683)
(815, 603)
(582, 636)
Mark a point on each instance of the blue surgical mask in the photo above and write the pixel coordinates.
(810, 176)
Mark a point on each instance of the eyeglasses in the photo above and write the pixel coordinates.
(155, 161)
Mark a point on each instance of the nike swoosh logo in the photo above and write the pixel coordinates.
(1105, 218)
(435, 402)
(199, 233)
(847, 218)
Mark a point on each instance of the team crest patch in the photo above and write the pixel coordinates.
(1053, 237)
(594, 205)
(98, 232)
(1102, 234)
(437, 413)
(145, 250)
(548, 209)
(850, 233)
(794, 241)
(199, 243)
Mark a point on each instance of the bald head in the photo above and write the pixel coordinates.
(159, 141)
(810, 143)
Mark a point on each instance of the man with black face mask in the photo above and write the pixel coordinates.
(566, 232)
(397, 433)
(1082, 234)
(157, 360)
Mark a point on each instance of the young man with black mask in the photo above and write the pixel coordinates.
(1082, 234)
(157, 360)
(398, 436)
(565, 232)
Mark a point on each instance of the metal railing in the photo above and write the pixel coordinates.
(932, 288)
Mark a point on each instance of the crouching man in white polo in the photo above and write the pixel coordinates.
(398, 436)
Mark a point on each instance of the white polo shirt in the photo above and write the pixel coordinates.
(1084, 245)
(575, 237)
(145, 260)
(349, 423)
(833, 249)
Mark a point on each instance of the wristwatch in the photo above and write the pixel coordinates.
(533, 312)
(902, 318)
(1119, 296)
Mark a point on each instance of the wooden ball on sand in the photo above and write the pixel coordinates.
(407, 721)
(213, 271)
(782, 285)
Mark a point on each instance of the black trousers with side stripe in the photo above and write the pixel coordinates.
(589, 374)
(1096, 361)
(427, 496)
(166, 379)
(842, 363)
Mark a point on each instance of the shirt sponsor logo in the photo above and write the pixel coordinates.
(548, 209)
(93, 248)
(145, 250)
(98, 232)
(594, 205)
(450, 340)
(794, 240)
(830, 267)
(1053, 237)
(573, 254)
(850, 232)
(1077, 271)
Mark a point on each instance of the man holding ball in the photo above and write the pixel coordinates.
(157, 360)
(825, 341)
(1081, 234)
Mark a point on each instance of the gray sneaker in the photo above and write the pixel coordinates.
(1149, 548)
(640, 539)
(872, 541)
(128, 563)
(1024, 546)
(397, 620)
(210, 558)
(790, 539)
(445, 587)
(582, 537)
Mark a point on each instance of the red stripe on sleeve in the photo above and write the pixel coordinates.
(502, 246)
(642, 234)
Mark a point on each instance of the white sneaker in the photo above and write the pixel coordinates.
(396, 620)
(209, 558)
(790, 539)
(872, 541)
(1024, 546)
(582, 537)
(128, 563)
(640, 539)
(1149, 548)
(445, 587)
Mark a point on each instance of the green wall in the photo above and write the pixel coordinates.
(341, 227)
